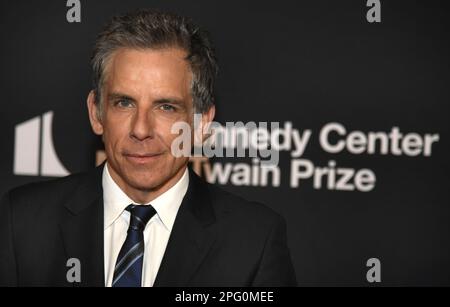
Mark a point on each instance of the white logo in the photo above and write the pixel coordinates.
(34, 153)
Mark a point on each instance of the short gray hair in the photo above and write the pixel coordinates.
(153, 29)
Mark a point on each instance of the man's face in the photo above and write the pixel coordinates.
(144, 94)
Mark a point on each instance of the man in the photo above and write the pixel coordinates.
(142, 218)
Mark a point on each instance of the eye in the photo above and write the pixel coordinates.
(167, 108)
(123, 103)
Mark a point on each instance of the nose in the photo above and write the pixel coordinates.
(142, 126)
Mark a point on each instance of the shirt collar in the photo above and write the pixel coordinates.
(166, 204)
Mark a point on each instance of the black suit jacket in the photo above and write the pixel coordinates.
(218, 239)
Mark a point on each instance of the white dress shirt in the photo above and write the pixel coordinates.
(157, 230)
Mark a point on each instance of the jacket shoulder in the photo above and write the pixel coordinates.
(48, 192)
(240, 208)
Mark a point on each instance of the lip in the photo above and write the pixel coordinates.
(141, 158)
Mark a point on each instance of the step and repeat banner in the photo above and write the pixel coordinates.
(352, 97)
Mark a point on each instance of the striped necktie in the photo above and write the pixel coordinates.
(128, 269)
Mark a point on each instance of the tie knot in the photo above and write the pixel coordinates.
(140, 215)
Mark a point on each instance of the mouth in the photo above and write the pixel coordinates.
(141, 158)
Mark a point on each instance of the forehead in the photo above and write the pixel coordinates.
(152, 72)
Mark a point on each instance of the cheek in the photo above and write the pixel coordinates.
(163, 131)
(113, 134)
(167, 137)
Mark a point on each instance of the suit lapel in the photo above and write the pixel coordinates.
(191, 238)
(83, 231)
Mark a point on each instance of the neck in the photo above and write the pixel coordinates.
(144, 196)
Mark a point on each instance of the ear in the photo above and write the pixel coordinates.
(201, 126)
(96, 123)
(207, 118)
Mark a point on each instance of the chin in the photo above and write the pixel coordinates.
(145, 182)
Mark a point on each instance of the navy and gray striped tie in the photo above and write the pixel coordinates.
(128, 270)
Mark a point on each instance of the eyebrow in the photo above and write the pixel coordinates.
(115, 96)
(172, 100)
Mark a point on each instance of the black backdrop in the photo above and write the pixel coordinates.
(310, 63)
